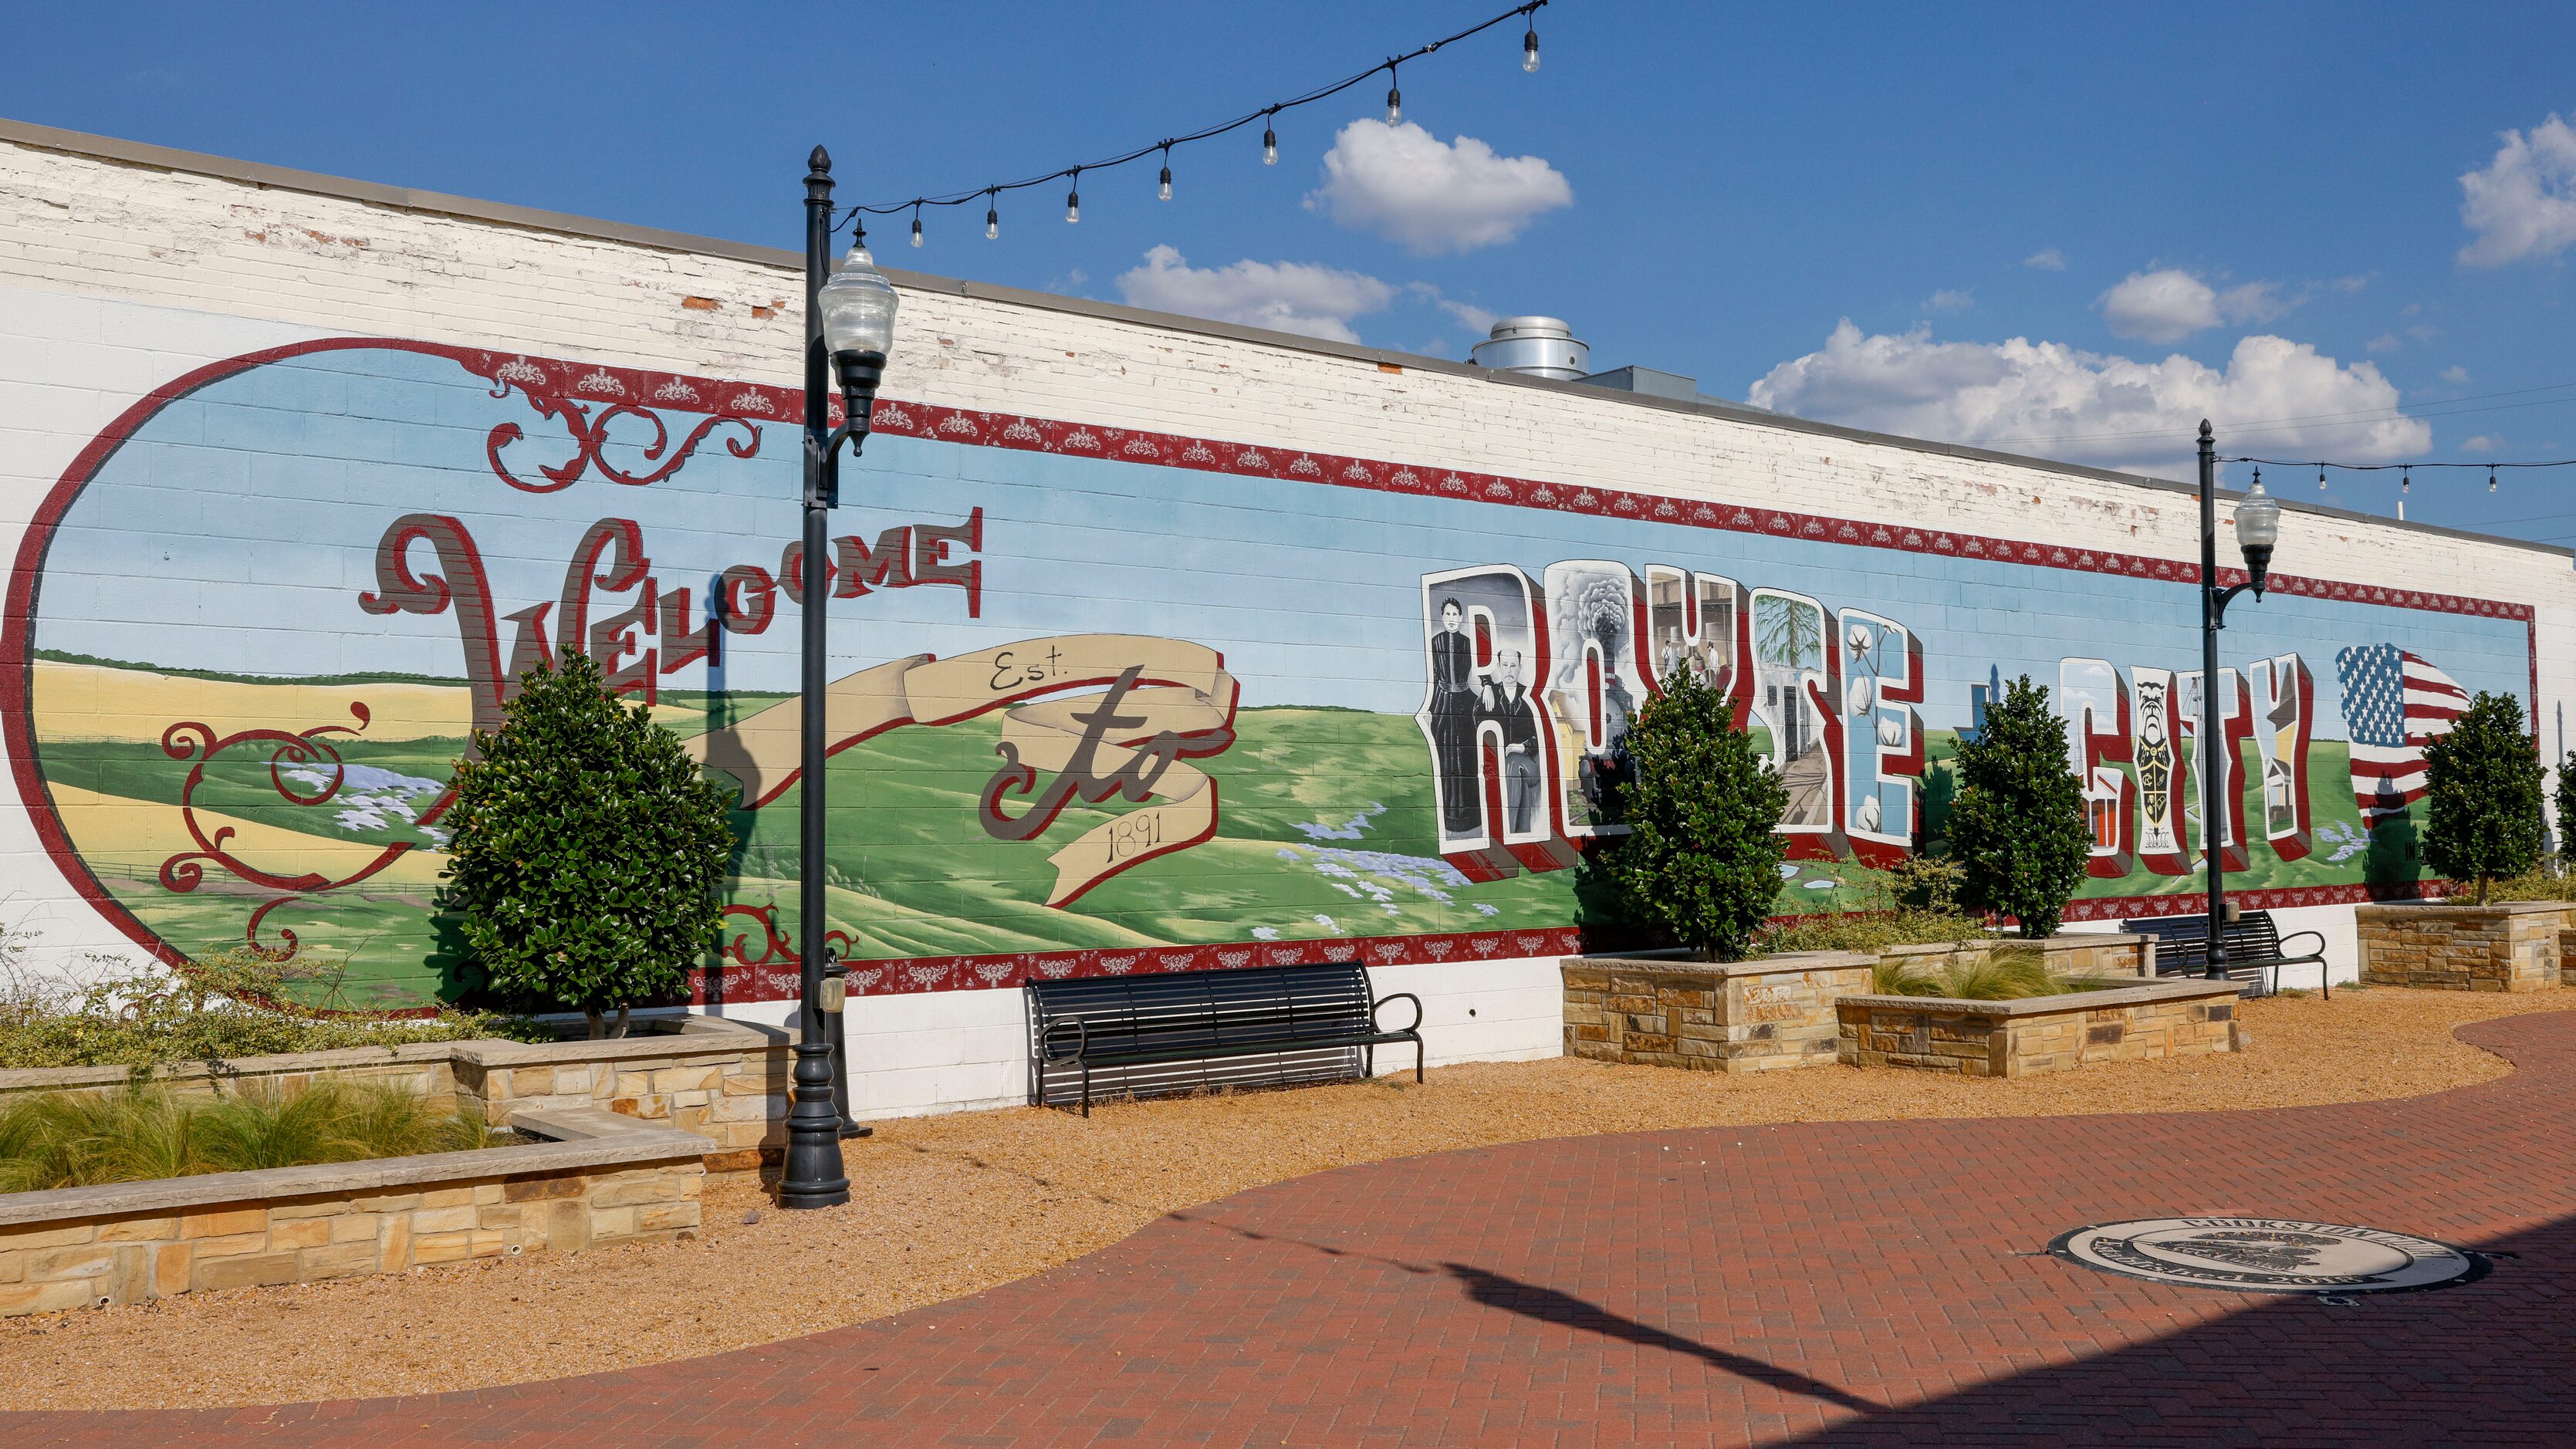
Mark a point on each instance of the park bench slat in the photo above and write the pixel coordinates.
(2254, 947)
(1209, 1015)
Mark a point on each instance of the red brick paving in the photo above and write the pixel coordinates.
(1832, 1283)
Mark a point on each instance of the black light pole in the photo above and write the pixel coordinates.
(849, 327)
(2258, 529)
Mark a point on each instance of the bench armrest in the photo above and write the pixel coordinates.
(2316, 955)
(1046, 1040)
(1375, 1006)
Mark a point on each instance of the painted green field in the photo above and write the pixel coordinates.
(1326, 829)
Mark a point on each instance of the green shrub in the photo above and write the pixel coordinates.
(587, 850)
(1872, 931)
(2564, 797)
(78, 1139)
(2535, 885)
(230, 1004)
(2017, 828)
(1701, 860)
(1903, 976)
(2482, 786)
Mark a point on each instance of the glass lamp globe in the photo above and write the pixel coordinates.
(2258, 530)
(858, 307)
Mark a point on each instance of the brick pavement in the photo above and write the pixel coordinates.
(1830, 1283)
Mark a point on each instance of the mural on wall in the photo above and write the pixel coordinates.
(1104, 700)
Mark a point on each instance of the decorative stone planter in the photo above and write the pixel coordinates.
(1738, 1016)
(2073, 955)
(2451, 946)
(608, 1180)
(2039, 1034)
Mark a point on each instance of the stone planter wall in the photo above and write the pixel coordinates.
(615, 1181)
(2449, 946)
(724, 1080)
(2078, 955)
(1741, 1016)
(2042, 1033)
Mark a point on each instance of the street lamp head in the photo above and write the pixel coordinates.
(858, 307)
(2258, 529)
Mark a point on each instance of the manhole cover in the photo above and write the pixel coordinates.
(2269, 1255)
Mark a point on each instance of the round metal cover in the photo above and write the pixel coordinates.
(2269, 1255)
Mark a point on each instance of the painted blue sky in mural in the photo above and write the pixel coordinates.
(2354, 218)
(1312, 592)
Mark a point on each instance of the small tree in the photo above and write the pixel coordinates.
(2482, 785)
(2566, 802)
(1702, 856)
(2017, 827)
(587, 851)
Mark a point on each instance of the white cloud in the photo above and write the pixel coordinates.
(2349, 285)
(2523, 204)
(2047, 260)
(2480, 444)
(1948, 300)
(1474, 317)
(1410, 187)
(2170, 304)
(2455, 375)
(2050, 399)
(2384, 342)
(1288, 296)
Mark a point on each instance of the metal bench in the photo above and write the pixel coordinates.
(1127, 1021)
(2255, 951)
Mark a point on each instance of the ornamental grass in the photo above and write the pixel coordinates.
(82, 1139)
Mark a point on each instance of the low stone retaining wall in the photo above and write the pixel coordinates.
(613, 1181)
(723, 1080)
(2041, 1033)
(2451, 946)
(2082, 955)
(1737, 1016)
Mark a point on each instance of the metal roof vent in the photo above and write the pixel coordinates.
(1538, 346)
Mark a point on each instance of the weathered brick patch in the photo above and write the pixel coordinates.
(1738, 1016)
(2041, 1033)
(2449, 946)
(130, 1242)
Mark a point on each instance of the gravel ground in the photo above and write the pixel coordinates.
(946, 1206)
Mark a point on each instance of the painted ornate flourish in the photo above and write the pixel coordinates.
(307, 752)
(590, 434)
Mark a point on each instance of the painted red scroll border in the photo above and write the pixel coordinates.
(623, 391)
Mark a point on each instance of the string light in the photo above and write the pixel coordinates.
(2491, 486)
(916, 226)
(1266, 115)
(2321, 477)
(2406, 481)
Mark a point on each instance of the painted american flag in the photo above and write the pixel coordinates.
(2394, 704)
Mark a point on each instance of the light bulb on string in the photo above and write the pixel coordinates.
(1073, 199)
(2405, 480)
(1163, 191)
(916, 224)
(1269, 142)
(2321, 477)
(1529, 46)
(1394, 97)
(992, 219)
(2491, 478)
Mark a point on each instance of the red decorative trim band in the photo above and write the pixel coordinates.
(1046, 435)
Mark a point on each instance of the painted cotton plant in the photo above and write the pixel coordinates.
(588, 851)
(1702, 856)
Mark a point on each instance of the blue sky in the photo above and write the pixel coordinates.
(2252, 212)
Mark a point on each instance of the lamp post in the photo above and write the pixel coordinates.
(849, 329)
(2258, 528)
